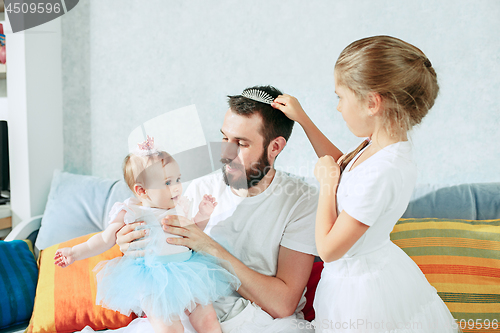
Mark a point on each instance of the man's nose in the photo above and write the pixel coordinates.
(229, 150)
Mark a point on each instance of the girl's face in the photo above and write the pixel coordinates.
(354, 111)
(163, 185)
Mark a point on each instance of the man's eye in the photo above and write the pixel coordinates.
(224, 139)
(242, 145)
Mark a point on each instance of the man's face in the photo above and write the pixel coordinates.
(244, 157)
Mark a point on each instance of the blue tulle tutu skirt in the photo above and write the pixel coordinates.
(162, 289)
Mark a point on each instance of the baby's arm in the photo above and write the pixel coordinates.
(207, 206)
(96, 244)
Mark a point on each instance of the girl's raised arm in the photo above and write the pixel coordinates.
(291, 107)
(96, 244)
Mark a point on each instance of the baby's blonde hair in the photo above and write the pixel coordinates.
(396, 70)
(134, 166)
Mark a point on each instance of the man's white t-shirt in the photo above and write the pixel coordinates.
(253, 228)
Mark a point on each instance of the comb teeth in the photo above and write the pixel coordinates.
(257, 95)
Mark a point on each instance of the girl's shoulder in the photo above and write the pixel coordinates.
(394, 156)
(393, 164)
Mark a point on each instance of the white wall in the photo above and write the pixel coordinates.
(125, 62)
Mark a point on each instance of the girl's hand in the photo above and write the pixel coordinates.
(327, 171)
(64, 257)
(341, 159)
(290, 106)
(191, 235)
(207, 205)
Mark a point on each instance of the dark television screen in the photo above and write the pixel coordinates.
(4, 156)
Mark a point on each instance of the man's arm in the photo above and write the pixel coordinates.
(280, 295)
(277, 295)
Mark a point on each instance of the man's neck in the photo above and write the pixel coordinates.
(257, 189)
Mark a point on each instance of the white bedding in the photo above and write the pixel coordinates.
(140, 325)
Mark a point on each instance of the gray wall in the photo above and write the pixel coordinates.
(125, 62)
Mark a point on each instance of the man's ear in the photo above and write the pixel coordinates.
(374, 104)
(275, 147)
(140, 191)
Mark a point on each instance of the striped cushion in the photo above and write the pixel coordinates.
(18, 275)
(65, 297)
(461, 259)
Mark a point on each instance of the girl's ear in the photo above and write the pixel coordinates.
(374, 103)
(139, 190)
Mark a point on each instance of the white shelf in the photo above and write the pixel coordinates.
(5, 211)
(4, 114)
(4, 111)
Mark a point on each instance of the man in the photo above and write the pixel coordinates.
(263, 224)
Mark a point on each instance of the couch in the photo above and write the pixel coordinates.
(452, 233)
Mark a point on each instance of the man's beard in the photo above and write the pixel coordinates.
(254, 174)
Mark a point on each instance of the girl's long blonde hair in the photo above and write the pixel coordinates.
(399, 72)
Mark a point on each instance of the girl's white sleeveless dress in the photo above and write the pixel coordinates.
(165, 282)
(375, 286)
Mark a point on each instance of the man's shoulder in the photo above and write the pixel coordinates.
(296, 185)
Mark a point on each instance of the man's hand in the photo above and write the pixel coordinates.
(191, 235)
(277, 295)
(126, 236)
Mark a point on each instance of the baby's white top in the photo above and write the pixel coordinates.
(135, 211)
(152, 217)
(377, 192)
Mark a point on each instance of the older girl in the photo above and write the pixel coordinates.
(385, 87)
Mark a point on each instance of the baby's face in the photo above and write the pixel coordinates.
(164, 186)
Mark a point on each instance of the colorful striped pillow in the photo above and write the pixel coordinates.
(18, 275)
(65, 297)
(461, 259)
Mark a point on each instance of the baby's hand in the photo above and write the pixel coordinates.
(291, 107)
(207, 205)
(64, 257)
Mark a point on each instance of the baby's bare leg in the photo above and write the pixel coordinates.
(160, 326)
(204, 319)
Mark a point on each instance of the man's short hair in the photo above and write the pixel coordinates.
(274, 122)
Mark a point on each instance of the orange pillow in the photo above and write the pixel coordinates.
(65, 297)
(461, 259)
